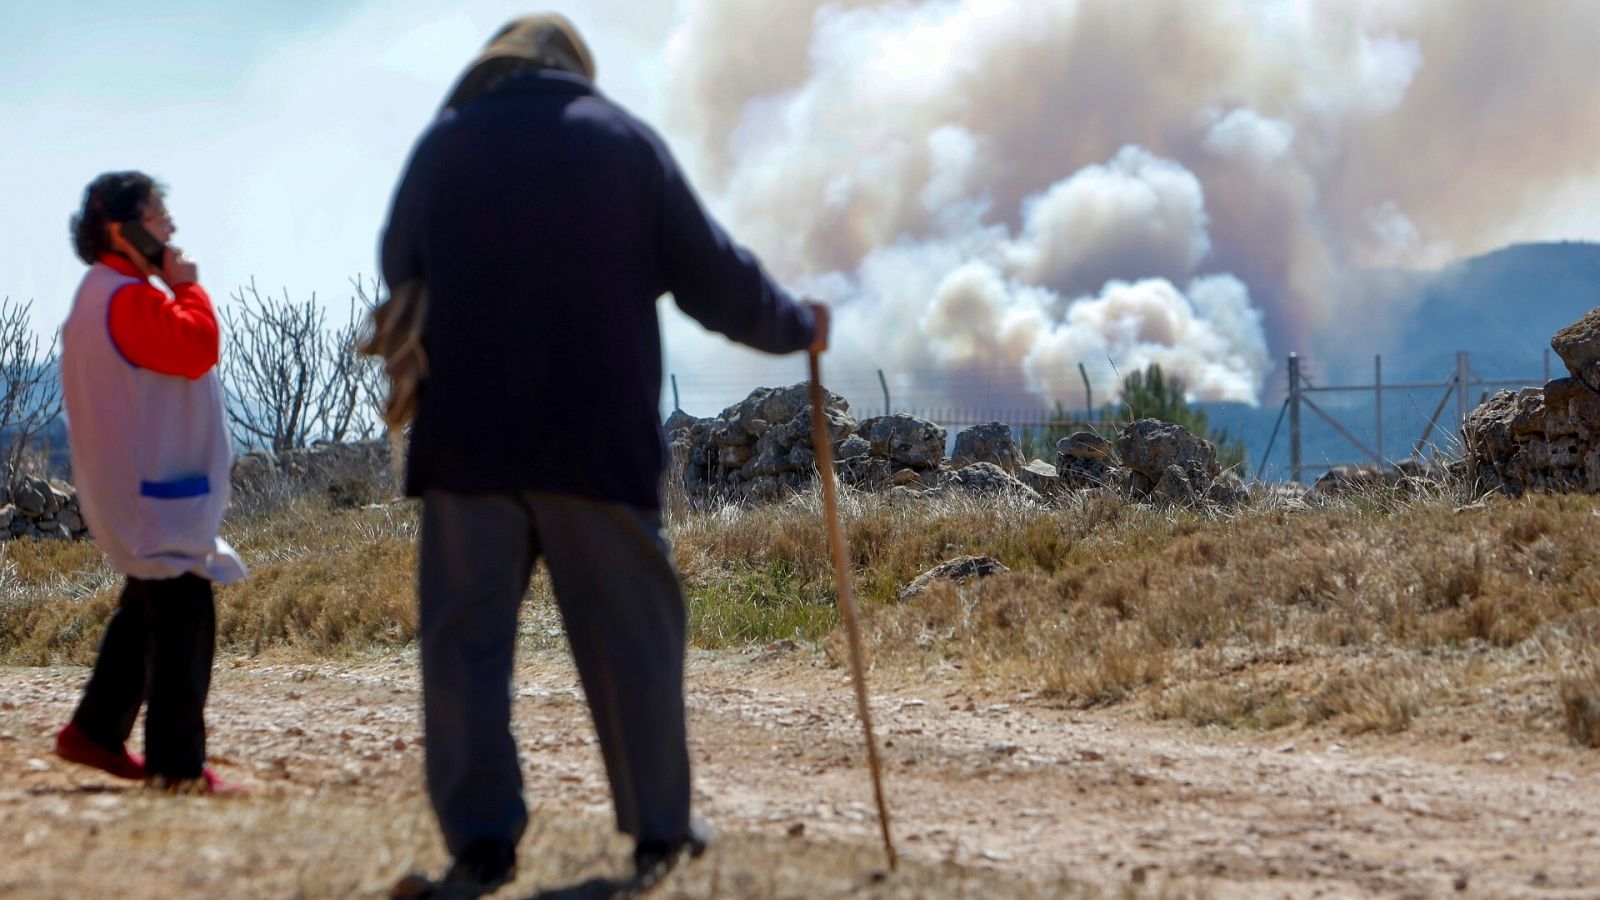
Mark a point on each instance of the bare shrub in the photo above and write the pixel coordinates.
(292, 380)
(30, 390)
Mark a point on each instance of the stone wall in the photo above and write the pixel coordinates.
(41, 508)
(1544, 439)
(346, 474)
(760, 449)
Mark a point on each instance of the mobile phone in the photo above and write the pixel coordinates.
(143, 241)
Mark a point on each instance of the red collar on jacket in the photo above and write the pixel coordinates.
(121, 264)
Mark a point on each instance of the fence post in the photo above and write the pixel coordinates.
(884, 383)
(675, 404)
(1377, 390)
(1088, 395)
(1294, 417)
(1463, 373)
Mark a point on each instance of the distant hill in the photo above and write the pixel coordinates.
(1501, 307)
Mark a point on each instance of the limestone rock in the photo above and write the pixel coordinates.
(1578, 345)
(990, 442)
(1151, 446)
(987, 480)
(1083, 445)
(678, 423)
(853, 446)
(1228, 491)
(958, 570)
(29, 500)
(905, 439)
(1084, 474)
(1536, 440)
(1041, 476)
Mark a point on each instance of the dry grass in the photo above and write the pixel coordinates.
(1361, 613)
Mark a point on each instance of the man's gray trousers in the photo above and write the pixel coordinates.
(624, 614)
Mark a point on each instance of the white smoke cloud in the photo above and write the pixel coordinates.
(1135, 215)
(1025, 185)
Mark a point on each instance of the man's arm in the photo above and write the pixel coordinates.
(719, 283)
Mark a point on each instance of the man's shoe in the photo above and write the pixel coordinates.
(73, 745)
(653, 861)
(208, 782)
(483, 868)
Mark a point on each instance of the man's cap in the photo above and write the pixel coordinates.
(541, 41)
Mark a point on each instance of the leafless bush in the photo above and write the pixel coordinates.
(291, 379)
(30, 391)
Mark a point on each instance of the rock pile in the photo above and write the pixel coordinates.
(1544, 439)
(41, 508)
(760, 449)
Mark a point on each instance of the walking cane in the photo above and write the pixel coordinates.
(823, 446)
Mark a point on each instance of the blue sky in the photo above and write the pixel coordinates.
(279, 128)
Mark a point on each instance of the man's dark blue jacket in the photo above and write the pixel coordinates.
(546, 223)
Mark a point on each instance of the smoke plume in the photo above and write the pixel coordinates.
(1017, 186)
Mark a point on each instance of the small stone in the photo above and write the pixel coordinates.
(958, 570)
(1460, 882)
(797, 829)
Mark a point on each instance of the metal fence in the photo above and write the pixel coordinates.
(1463, 385)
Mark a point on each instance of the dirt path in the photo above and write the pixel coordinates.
(985, 781)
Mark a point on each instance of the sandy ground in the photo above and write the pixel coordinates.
(984, 784)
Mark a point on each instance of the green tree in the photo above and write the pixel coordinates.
(1153, 394)
(1041, 442)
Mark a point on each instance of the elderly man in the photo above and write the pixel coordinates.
(546, 222)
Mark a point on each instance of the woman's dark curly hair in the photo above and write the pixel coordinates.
(113, 197)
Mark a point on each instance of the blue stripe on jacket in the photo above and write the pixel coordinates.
(177, 489)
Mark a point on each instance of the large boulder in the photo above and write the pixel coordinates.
(1578, 345)
(990, 442)
(1166, 462)
(905, 439)
(1151, 447)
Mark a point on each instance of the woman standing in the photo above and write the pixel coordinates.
(151, 460)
